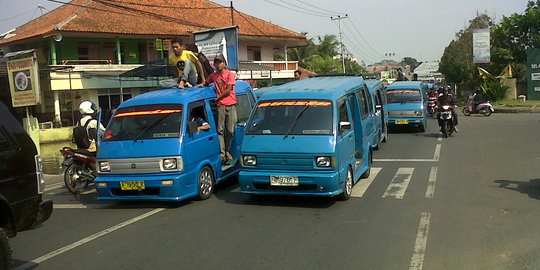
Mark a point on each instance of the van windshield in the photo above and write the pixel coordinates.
(403, 95)
(292, 117)
(145, 122)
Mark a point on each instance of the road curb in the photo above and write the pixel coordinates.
(506, 109)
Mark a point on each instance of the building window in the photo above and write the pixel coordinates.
(87, 51)
(253, 53)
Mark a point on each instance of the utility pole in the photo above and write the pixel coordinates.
(232, 14)
(339, 18)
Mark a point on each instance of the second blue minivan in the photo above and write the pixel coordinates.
(407, 104)
(309, 137)
(380, 121)
(153, 150)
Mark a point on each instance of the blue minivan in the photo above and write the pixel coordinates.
(407, 104)
(380, 121)
(151, 149)
(309, 137)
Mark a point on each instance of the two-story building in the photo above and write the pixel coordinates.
(85, 45)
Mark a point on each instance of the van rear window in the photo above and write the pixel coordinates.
(403, 95)
(145, 122)
(294, 117)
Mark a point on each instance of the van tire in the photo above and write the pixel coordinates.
(368, 171)
(5, 251)
(205, 183)
(347, 186)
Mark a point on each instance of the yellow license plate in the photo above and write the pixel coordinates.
(132, 185)
(402, 122)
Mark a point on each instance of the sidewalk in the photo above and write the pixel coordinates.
(516, 109)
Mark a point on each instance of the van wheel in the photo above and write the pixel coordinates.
(205, 183)
(368, 171)
(71, 177)
(347, 189)
(5, 251)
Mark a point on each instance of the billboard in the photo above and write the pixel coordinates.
(24, 81)
(481, 46)
(533, 73)
(213, 42)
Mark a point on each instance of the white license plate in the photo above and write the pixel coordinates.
(287, 181)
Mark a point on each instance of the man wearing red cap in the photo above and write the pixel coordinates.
(224, 82)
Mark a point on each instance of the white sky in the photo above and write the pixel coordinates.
(416, 28)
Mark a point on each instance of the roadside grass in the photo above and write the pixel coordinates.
(515, 103)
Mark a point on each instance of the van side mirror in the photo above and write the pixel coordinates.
(344, 125)
(192, 127)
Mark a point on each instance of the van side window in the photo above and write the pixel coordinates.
(243, 109)
(369, 100)
(378, 97)
(343, 113)
(362, 100)
(197, 111)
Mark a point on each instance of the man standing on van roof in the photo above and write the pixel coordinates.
(187, 64)
(224, 82)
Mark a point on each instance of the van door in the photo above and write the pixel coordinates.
(346, 136)
(244, 106)
(202, 146)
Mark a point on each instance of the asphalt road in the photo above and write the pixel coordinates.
(467, 202)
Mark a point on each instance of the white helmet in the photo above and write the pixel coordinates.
(87, 107)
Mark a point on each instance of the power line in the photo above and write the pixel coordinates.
(162, 6)
(330, 11)
(361, 44)
(24, 13)
(289, 8)
(312, 11)
(362, 37)
(254, 26)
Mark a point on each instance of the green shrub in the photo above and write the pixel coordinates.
(494, 90)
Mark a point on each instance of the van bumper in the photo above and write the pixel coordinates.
(108, 188)
(311, 183)
(411, 122)
(44, 212)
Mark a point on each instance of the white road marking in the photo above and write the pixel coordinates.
(417, 259)
(437, 152)
(361, 186)
(70, 206)
(440, 138)
(431, 183)
(54, 186)
(83, 241)
(399, 183)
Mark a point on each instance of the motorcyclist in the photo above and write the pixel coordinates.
(89, 112)
(447, 99)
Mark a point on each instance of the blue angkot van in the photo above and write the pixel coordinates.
(380, 121)
(309, 137)
(151, 149)
(407, 104)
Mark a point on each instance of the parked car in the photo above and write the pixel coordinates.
(309, 137)
(151, 149)
(21, 184)
(378, 93)
(407, 104)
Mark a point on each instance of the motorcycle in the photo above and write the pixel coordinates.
(79, 167)
(484, 108)
(446, 120)
(432, 105)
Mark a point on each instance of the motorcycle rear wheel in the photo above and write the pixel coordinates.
(71, 176)
(466, 111)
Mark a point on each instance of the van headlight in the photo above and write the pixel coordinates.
(171, 164)
(418, 113)
(104, 166)
(324, 161)
(249, 160)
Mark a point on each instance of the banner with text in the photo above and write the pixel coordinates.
(533, 73)
(481, 46)
(24, 81)
(213, 42)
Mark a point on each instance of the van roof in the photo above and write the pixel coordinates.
(374, 84)
(180, 96)
(406, 84)
(314, 88)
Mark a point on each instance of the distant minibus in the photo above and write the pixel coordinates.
(378, 93)
(407, 104)
(152, 149)
(309, 137)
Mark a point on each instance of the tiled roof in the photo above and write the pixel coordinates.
(146, 17)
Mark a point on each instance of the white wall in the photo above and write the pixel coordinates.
(267, 50)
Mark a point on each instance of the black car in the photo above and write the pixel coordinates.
(21, 184)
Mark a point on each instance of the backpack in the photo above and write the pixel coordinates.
(207, 68)
(81, 135)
